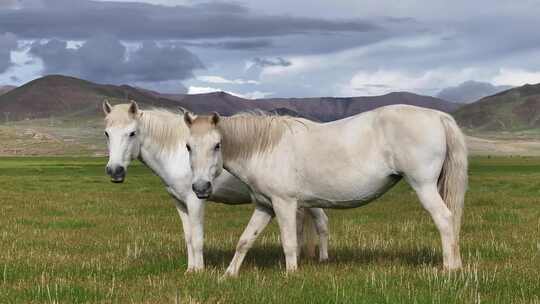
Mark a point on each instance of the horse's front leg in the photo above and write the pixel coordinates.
(195, 208)
(259, 220)
(285, 211)
(186, 226)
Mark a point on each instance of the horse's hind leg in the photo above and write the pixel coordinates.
(321, 225)
(432, 201)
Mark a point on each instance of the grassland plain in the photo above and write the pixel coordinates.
(68, 235)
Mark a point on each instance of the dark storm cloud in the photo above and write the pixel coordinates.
(80, 19)
(8, 43)
(266, 62)
(470, 91)
(8, 4)
(104, 58)
(237, 45)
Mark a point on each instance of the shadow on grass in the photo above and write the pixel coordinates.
(272, 256)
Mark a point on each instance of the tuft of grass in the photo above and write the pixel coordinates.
(68, 235)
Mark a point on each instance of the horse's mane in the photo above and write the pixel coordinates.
(249, 133)
(164, 128)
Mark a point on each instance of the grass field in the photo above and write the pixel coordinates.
(68, 235)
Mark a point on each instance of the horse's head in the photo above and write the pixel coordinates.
(121, 127)
(204, 147)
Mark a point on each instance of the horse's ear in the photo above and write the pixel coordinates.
(106, 107)
(189, 118)
(214, 118)
(134, 108)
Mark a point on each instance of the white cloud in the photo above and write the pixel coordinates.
(25, 67)
(516, 77)
(221, 80)
(385, 81)
(248, 95)
(202, 90)
(351, 57)
(255, 95)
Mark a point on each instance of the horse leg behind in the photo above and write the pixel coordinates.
(321, 226)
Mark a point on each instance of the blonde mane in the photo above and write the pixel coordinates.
(162, 127)
(248, 134)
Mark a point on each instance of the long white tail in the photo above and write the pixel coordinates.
(453, 179)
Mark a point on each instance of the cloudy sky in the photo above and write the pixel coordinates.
(277, 48)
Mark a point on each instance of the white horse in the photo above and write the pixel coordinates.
(158, 139)
(290, 162)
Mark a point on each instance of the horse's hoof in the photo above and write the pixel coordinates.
(452, 268)
(323, 260)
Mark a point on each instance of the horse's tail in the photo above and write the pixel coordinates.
(310, 235)
(453, 179)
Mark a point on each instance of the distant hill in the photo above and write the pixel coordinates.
(470, 91)
(6, 88)
(61, 95)
(512, 110)
(332, 108)
(57, 95)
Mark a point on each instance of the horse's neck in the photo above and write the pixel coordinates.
(158, 159)
(244, 148)
(245, 138)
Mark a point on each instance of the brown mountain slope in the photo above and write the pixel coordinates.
(6, 88)
(56, 95)
(67, 96)
(512, 110)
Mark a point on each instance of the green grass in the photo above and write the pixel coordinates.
(68, 235)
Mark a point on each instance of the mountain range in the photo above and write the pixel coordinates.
(59, 96)
(62, 96)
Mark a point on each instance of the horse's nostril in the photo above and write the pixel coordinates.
(201, 187)
(120, 171)
(108, 170)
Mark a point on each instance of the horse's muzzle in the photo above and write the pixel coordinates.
(203, 189)
(117, 174)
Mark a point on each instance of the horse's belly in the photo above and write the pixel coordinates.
(353, 198)
(323, 203)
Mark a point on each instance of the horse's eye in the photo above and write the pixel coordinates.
(132, 134)
(188, 147)
(106, 134)
(217, 147)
